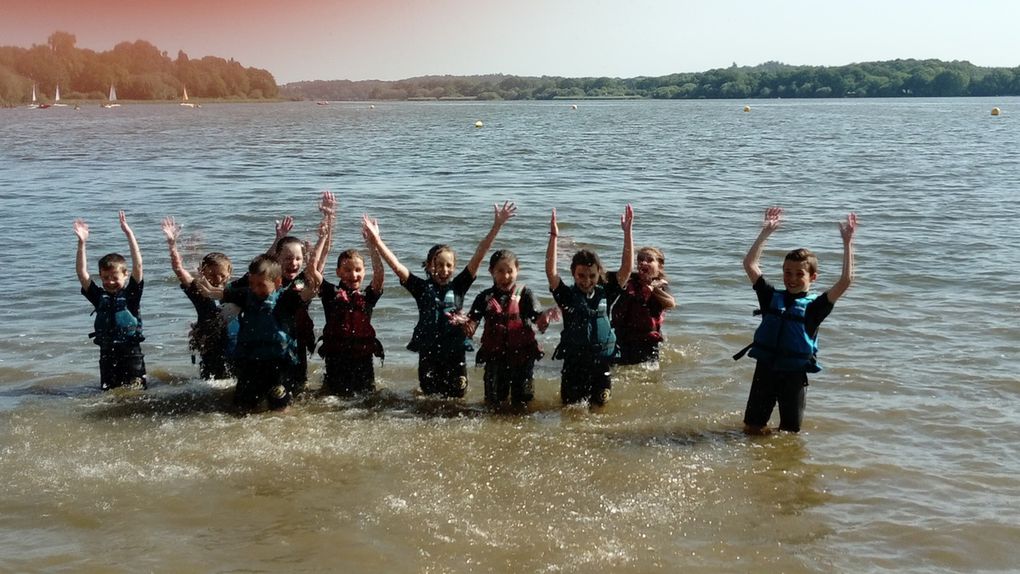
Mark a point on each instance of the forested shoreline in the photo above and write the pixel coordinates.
(893, 78)
(138, 70)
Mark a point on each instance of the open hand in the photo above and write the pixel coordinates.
(503, 214)
(171, 229)
(284, 226)
(627, 219)
(81, 229)
(773, 217)
(848, 228)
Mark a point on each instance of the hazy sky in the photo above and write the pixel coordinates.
(394, 39)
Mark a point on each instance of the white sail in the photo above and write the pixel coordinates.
(35, 101)
(56, 98)
(113, 93)
(185, 101)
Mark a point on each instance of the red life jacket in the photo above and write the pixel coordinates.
(348, 331)
(632, 318)
(506, 336)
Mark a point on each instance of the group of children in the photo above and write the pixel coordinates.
(258, 330)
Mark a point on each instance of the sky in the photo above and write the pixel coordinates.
(395, 39)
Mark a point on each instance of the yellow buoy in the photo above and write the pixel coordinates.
(747, 108)
(995, 111)
(479, 124)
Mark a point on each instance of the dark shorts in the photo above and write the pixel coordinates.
(768, 388)
(259, 380)
(121, 365)
(503, 379)
(585, 378)
(346, 376)
(635, 353)
(443, 374)
(296, 374)
(213, 365)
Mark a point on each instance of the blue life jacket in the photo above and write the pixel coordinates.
(261, 336)
(782, 338)
(434, 333)
(586, 327)
(115, 324)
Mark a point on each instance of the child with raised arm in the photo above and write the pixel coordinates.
(441, 345)
(267, 350)
(786, 343)
(118, 325)
(348, 339)
(509, 348)
(587, 344)
(209, 333)
(641, 309)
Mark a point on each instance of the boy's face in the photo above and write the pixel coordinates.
(291, 259)
(442, 267)
(261, 286)
(113, 278)
(585, 277)
(351, 272)
(797, 276)
(504, 274)
(216, 274)
(648, 267)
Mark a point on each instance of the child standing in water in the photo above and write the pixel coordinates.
(118, 325)
(509, 349)
(441, 345)
(641, 308)
(209, 334)
(266, 348)
(786, 342)
(587, 344)
(348, 339)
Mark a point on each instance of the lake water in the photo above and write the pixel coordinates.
(908, 460)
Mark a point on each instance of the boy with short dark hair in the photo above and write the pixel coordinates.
(786, 343)
(118, 324)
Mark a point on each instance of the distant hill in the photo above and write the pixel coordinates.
(139, 70)
(893, 78)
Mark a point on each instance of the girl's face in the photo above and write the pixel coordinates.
(442, 266)
(292, 259)
(216, 274)
(586, 277)
(504, 274)
(648, 267)
(351, 272)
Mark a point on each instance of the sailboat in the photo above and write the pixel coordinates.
(35, 101)
(185, 101)
(112, 103)
(56, 99)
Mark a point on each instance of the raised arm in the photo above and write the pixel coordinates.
(847, 230)
(172, 230)
(501, 216)
(313, 276)
(81, 229)
(136, 253)
(328, 206)
(371, 228)
(550, 253)
(627, 261)
(773, 217)
(378, 271)
(283, 228)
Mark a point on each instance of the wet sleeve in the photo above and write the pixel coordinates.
(462, 282)
(94, 294)
(816, 312)
(529, 305)
(613, 288)
(372, 296)
(764, 290)
(561, 294)
(414, 285)
(234, 294)
(478, 306)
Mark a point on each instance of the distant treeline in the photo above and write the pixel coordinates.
(137, 69)
(895, 78)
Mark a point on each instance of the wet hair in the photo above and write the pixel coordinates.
(348, 254)
(804, 256)
(502, 254)
(216, 259)
(112, 261)
(288, 240)
(434, 252)
(658, 255)
(267, 266)
(588, 258)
